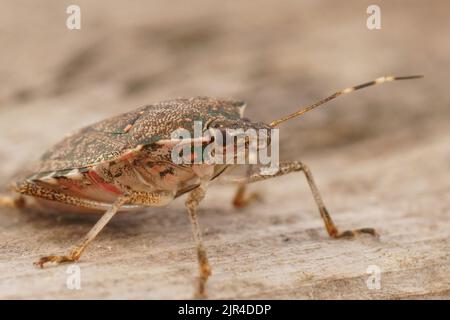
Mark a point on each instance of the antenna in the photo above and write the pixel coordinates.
(380, 80)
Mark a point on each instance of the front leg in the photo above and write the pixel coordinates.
(295, 166)
(192, 202)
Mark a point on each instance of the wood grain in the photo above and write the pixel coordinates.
(381, 158)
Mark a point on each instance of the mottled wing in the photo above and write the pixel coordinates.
(109, 139)
(103, 141)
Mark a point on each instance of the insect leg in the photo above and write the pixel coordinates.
(12, 201)
(31, 188)
(192, 202)
(295, 166)
(242, 200)
(75, 254)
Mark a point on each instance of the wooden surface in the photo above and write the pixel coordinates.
(380, 158)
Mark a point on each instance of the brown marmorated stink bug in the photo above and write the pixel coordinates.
(125, 163)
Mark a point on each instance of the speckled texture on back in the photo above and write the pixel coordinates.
(110, 138)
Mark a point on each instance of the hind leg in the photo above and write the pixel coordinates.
(134, 198)
(137, 198)
(76, 252)
(13, 200)
(17, 201)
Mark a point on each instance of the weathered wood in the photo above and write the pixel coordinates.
(381, 158)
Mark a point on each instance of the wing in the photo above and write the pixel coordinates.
(103, 141)
(111, 138)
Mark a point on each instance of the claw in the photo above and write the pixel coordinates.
(354, 233)
(53, 259)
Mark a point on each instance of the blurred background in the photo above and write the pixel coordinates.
(380, 156)
(276, 55)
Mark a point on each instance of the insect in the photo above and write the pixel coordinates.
(124, 163)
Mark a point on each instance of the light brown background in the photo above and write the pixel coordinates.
(381, 157)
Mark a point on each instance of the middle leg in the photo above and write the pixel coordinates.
(192, 202)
